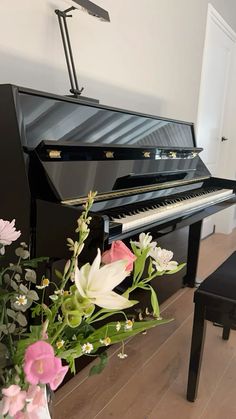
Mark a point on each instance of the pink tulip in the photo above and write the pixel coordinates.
(8, 233)
(41, 366)
(119, 251)
(13, 400)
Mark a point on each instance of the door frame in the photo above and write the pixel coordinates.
(214, 17)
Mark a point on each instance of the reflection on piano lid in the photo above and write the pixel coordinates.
(124, 172)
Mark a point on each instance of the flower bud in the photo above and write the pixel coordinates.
(73, 318)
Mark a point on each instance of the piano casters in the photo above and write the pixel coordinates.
(91, 9)
(194, 238)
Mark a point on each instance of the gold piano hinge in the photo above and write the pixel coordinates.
(54, 154)
(147, 154)
(127, 192)
(109, 154)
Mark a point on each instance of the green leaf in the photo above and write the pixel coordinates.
(36, 310)
(139, 264)
(109, 330)
(98, 368)
(22, 344)
(33, 263)
(83, 330)
(150, 267)
(58, 274)
(154, 302)
(135, 249)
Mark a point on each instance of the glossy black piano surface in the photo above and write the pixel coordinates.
(54, 149)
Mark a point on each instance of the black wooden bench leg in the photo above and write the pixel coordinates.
(226, 333)
(198, 337)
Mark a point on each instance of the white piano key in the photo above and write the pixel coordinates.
(131, 222)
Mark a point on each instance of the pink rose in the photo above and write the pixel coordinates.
(119, 251)
(41, 366)
(13, 400)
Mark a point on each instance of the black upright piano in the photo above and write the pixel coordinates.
(147, 171)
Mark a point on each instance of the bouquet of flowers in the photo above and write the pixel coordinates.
(41, 338)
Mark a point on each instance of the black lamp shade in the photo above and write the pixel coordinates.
(92, 9)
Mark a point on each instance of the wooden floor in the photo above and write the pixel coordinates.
(151, 382)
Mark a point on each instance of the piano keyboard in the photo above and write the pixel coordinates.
(169, 207)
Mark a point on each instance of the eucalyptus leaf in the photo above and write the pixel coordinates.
(6, 329)
(21, 319)
(15, 268)
(24, 289)
(53, 297)
(32, 295)
(11, 313)
(14, 285)
(22, 253)
(6, 278)
(30, 275)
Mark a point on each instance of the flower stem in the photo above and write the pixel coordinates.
(58, 332)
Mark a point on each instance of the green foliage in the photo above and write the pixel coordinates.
(98, 368)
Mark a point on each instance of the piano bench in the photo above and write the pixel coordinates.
(215, 300)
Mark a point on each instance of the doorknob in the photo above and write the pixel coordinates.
(224, 139)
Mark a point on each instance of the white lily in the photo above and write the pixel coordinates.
(162, 259)
(145, 241)
(97, 283)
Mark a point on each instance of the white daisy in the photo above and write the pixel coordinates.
(129, 324)
(21, 300)
(87, 348)
(121, 355)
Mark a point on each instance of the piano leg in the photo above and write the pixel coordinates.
(193, 252)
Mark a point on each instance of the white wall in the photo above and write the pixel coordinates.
(148, 58)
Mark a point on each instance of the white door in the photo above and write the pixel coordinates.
(215, 86)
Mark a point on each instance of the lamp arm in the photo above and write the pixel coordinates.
(62, 15)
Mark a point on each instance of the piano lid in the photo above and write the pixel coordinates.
(77, 147)
(63, 120)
